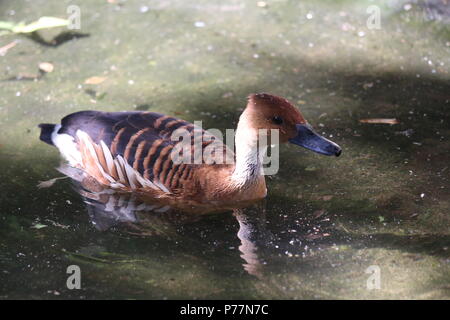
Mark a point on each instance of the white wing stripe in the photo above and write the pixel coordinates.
(119, 170)
(108, 156)
(127, 174)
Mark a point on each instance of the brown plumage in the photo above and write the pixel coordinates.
(137, 151)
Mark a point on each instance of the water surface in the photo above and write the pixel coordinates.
(384, 202)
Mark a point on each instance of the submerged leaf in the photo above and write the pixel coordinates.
(38, 226)
(46, 184)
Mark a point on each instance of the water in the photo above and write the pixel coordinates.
(384, 202)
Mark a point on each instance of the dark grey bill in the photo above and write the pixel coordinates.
(307, 138)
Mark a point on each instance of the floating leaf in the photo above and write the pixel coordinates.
(42, 23)
(95, 80)
(380, 120)
(7, 25)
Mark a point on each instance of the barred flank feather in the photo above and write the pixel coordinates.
(130, 150)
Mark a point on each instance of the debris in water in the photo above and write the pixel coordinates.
(48, 183)
(4, 49)
(42, 23)
(314, 236)
(407, 133)
(38, 226)
(261, 4)
(380, 121)
(367, 85)
(46, 67)
(56, 224)
(56, 293)
(199, 24)
(94, 80)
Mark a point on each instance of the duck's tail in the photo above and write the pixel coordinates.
(46, 132)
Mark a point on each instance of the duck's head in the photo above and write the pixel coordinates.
(266, 111)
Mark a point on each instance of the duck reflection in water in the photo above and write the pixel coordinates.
(107, 208)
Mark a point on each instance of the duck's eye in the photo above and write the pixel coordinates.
(277, 120)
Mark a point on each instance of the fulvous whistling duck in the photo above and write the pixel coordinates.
(133, 151)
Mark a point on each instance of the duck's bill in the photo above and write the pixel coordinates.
(307, 138)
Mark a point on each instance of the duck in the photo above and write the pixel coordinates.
(139, 152)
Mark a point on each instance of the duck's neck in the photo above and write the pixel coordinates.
(249, 155)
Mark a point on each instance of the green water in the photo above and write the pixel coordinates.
(385, 202)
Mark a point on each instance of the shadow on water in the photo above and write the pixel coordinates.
(58, 40)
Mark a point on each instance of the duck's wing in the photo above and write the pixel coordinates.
(134, 149)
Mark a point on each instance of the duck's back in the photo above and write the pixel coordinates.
(132, 149)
